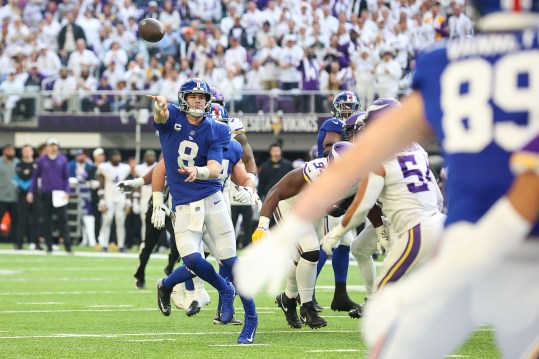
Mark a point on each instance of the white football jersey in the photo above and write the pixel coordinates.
(409, 193)
(236, 126)
(113, 175)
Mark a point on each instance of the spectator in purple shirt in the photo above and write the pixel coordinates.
(53, 169)
(104, 101)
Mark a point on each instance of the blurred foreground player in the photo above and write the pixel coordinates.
(482, 109)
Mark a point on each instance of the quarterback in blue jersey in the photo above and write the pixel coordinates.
(479, 97)
(193, 145)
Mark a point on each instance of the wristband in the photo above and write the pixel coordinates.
(263, 222)
(252, 176)
(128, 203)
(136, 194)
(101, 192)
(138, 182)
(157, 198)
(203, 173)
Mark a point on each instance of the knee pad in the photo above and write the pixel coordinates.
(311, 256)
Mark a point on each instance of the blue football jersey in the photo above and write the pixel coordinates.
(330, 125)
(489, 109)
(184, 144)
(231, 157)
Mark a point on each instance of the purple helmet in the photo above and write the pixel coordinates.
(217, 96)
(353, 124)
(378, 107)
(344, 105)
(337, 150)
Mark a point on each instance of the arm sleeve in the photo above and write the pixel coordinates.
(374, 188)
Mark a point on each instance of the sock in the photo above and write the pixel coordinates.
(321, 261)
(179, 275)
(248, 304)
(291, 290)
(205, 271)
(189, 285)
(306, 279)
(340, 262)
(224, 270)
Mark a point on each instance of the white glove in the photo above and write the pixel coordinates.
(383, 239)
(332, 239)
(159, 210)
(94, 184)
(130, 185)
(244, 195)
(159, 215)
(265, 264)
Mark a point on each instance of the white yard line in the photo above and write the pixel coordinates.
(62, 293)
(75, 310)
(122, 335)
(41, 303)
(333, 351)
(239, 345)
(146, 340)
(110, 306)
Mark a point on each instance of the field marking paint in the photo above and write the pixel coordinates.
(41, 303)
(122, 335)
(239, 345)
(62, 293)
(456, 356)
(110, 306)
(333, 351)
(75, 310)
(9, 271)
(146, 340)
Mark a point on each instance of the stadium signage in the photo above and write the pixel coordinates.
(281, 123)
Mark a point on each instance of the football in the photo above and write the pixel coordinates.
(151, 30)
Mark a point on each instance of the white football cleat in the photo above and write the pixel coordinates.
(178, 296)
(202, 297)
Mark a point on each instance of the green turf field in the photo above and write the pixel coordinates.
(57, 306)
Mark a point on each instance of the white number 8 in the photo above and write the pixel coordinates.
(187, 152)
(468, 120)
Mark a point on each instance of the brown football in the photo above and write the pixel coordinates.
(151, 30)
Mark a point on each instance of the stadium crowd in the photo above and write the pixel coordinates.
(85, 46)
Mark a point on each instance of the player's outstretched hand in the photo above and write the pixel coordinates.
(191, 173)
(265, 264)
(130, 185)
(161, 102)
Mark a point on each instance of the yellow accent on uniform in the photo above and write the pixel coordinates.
(401, 260)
